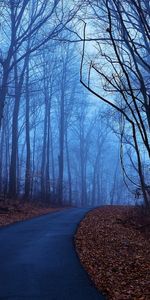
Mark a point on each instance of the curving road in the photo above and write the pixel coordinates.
(38, 260)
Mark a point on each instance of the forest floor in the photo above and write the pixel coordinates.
(15, 211)
(113, 244)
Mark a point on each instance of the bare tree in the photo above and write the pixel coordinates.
(121, 66)
(27, 19)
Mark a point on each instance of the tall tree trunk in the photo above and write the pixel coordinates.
(68, 168)
(1, 158)
(94, 185)
(48, 192)
(43, 163)
(83, 171)
(4, 88)
(53, 166)
(61, 149)
(14, 151)
(33, 163)
(28, 154)
(7, 150)
(13, 162)
(98, 194)
(112, 194)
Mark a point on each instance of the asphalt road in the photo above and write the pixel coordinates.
(38, 260)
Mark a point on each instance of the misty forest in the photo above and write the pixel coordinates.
(75, 101)
(75, 149)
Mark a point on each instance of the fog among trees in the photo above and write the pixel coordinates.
(75, 101)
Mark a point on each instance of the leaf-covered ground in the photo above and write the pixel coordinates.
(113, 244)
(14, 211)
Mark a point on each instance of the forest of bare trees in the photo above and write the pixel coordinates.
(59, 143)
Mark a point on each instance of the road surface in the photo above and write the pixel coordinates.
(38, 260)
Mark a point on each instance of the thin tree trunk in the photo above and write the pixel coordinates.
(13, 163)
(48, 193)
(43, 164)
(53, 165)
(1, 158)
(61, 146)
(3, 89)
(69, 169)
(33, 163)
(28, 154)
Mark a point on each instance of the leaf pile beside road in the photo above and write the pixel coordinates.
(113, 244)
(14, 211)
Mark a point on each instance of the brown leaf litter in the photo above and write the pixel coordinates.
(113, 243)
